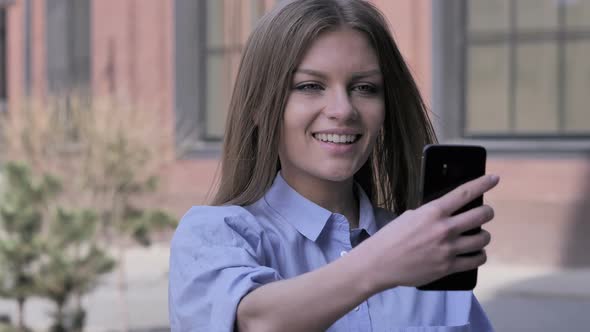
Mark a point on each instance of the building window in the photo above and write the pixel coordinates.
(228, 24)
(512, 69)
(68, 46)
(527, 67)
(3, 76)
(210, 35)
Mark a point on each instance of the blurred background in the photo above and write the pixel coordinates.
(113, 113)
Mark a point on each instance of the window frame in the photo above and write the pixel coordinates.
(189, 64)
(449, 77)
(191, 52)
(226, 49)
(67, 70)
(3, 60)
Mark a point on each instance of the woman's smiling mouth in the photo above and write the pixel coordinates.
(336, 138)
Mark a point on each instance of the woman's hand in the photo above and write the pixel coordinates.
(423, 245)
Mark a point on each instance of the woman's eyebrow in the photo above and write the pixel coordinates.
(363, 74)
(311, 72)
(355, 75)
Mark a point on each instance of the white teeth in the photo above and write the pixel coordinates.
(335, 138)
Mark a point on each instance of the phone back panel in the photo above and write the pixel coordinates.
(444, 168)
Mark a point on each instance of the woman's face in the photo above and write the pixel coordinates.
(335, 109)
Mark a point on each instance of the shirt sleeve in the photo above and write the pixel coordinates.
(477, 317)
(216, 258)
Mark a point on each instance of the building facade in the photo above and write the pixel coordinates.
(511, 75)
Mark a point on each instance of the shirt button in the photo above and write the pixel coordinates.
(343, 252)
(357, 308)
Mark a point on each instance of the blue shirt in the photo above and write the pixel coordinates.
(219, 254)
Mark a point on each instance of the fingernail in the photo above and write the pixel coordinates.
(494, 178)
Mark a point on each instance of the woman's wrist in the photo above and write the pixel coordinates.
(364, 265)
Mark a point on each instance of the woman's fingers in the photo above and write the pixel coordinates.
(427, 243)
(465, 263)
(464, 194)
(471, 243)
(471, 219)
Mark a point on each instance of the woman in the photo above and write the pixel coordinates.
(321, 152)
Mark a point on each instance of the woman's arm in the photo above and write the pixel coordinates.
(309, 302)
(418, 247)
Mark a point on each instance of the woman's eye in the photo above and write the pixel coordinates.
(365, 88)
(309, 87)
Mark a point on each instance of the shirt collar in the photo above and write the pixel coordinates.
(366, 213)
(306, 216)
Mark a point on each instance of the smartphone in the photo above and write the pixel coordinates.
(445, 167)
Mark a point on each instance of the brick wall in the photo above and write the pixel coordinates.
(132, 43)
(542, 204)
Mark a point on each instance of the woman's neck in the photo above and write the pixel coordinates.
(336, 197)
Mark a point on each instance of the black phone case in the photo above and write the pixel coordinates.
(445, 167)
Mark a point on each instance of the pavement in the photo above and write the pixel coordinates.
(516, 298)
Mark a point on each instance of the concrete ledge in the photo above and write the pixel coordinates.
(532, 281)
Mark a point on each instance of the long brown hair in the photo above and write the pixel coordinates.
(273, 52)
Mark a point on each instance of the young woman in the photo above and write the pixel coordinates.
(315, 225)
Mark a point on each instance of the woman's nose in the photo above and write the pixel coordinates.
(339, 105)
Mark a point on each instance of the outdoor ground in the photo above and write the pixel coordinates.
(516, 298)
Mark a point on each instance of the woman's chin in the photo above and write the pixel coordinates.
(337, 175)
